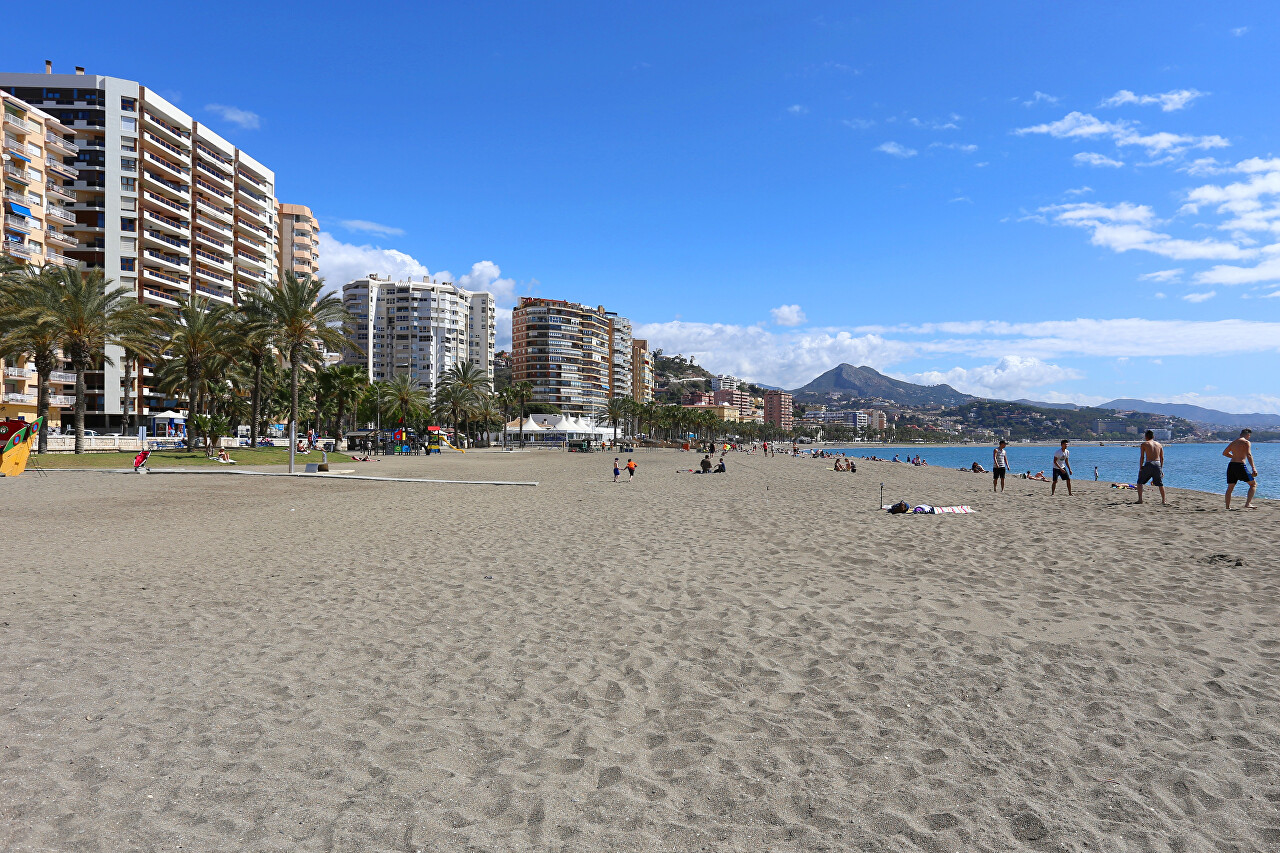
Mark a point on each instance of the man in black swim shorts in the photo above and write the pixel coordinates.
(1239, 452)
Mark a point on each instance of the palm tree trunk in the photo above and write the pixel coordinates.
(42, 405)
(293, 395)
(128, 392)
(257, 403)
(79, 409)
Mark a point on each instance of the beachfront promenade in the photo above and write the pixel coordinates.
(755, 661)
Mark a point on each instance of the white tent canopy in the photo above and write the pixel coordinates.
(169, 416)
(528, 426)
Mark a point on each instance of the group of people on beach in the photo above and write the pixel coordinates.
(1240, 468)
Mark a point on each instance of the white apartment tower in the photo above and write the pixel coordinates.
(163, 205)
(420, 328)
(620, 356)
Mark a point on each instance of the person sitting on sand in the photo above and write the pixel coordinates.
(720, 469)
(705, 464)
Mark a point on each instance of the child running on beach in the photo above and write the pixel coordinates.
(617, 471)
(631, 470)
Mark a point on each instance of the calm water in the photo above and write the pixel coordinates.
(1186, 466)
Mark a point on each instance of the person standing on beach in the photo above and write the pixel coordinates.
(999, 465)
(631, 470)
(1095, 473)
(1151, 466)
(1061, 468)
(617, 469)
(1240, 452)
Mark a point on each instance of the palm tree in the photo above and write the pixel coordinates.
(457, 401)
(301, 317)
(87, 317)
(403, 395)
(471, 380)
(506, 400)
(252, 330)
(617, 410)
(200, 344)
(27, 299)
(346, 382)
(487, 413)
(523, 391)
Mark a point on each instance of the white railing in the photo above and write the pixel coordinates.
(12, 397)
(58, 141)
(65, 443)
(20, 174)
(62, 259)
(59, 213)
(62, 400)
(19, 222)
(61, 376)
(20, 123)
(19, 373)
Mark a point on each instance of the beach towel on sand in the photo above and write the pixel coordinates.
(925, 509)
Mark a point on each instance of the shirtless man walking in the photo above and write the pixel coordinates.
(1240, 452)
(1151, 466)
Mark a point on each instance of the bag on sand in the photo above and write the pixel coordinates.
(899, 507)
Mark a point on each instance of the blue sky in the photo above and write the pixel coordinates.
(1058, 201)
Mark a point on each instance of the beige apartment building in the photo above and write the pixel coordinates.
(564, 350)
(37, 231)
(299, 240)
(641, 371)
(777, 409)
(161, 203)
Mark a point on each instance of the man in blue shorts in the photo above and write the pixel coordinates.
(1240, 452)
(1151, 466)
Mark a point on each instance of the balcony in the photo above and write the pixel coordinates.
(19, 373)
(257, 217)
(164, 238)
(15, 195)
(176, 134)
(245, 257)
(214, 293)
(62, 260)
(62, 376)
(151, 138)
(214, 174)
(13, 143)
(16, 173)
(208, 187)
(205, 272)
(168, 202)
(251, 274)
(206, 205)
(173, 226)
(20, 123)
(174, 262)
(245, 226)
(62, 400)
(218, 262)
(208, 152)
(170, 168)
(59, 213)
(18, 223)
(59, 168)
(61, 239)
(159, 296)
(252, 179)
(174, 187)
(210, 222)
(61, 144)
(16, 249)
(62, 192)
(211, 240)
(19, 399)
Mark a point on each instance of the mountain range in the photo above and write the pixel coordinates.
(867, 383)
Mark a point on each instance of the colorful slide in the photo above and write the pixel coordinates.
(21, 437)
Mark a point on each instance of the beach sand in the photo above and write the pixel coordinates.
(761, 661)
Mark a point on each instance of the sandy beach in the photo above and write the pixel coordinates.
(757, 661)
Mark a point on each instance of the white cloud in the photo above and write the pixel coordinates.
(797, 109)
(962, 147)
(1205, 166)
(896, 150)
(1169, 101)
(1009, 378)
(934, 124)
(1078, 125)
(243, 118)
(788, 315)
(1040, 98)
(343, 262)
(1200, 297)
(1092, 159)
(1162, 275)
(486, 275)
(1268, 270)
(1125, 227)
(859, 123)
(1239, 31)
(371, 227)
(1079, 191)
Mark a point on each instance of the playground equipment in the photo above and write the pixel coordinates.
(18, 438)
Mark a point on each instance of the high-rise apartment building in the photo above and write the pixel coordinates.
(299, 240)
(641, 371)
(37, 230)
(620, 364)
(777, 409)
(740, 400)
(565, 351)
(162, 204)
(724, 382)
(419, 328)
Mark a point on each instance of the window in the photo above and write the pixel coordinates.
(129, 105)
(128, 143)
(128, 164)
(129, 244)
(128, 203)
(126, 264)
(127, 224)
(129, 184)
(128, 123)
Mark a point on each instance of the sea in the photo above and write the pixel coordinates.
(1200, 467)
